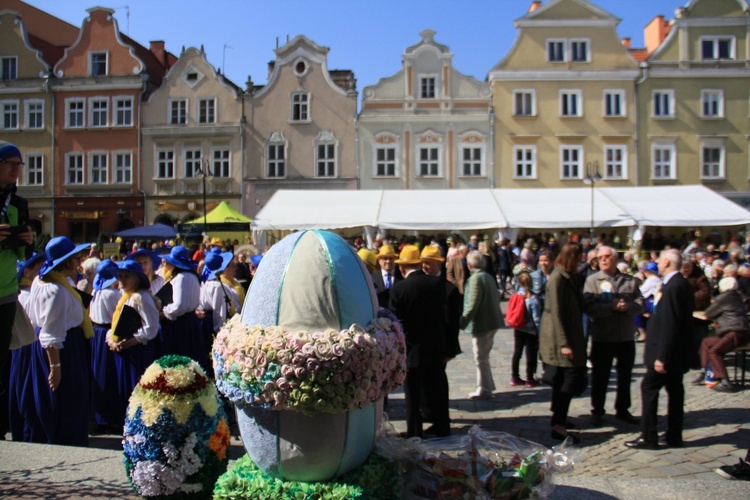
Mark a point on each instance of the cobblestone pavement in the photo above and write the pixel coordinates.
(716, 430)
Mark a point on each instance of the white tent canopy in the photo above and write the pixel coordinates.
(475, 209)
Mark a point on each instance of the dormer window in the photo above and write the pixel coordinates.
(9, 68)
(427, 87)
(192, 76)
(717, 47)
(98, 63)
(300, 107)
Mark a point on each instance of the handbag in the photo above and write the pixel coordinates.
(23, 332)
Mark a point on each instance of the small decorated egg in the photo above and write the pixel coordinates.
(176, 432)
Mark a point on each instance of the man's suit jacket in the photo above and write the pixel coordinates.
(419, 302)
(456, 272)
(381, 291)
(670, 329)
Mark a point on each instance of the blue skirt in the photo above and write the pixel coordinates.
(62, 416)
(131, 364)
(207, 327)
(104, 397)
(20, 393)
(184, 337)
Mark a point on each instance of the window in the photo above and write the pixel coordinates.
(206, 111)
(300, 107)
(178, 111)
(34, 170)
(9, 110)
(663, 161)
(663, 104)
(34, 114)
(74, 168)
(715, 47)
(614, 103)
(385, 161)
(192, 162)
(524, 162)
(123, 111)
(615, 162)
(123, 163)
(98, 112)
(524, 103)
(571, 158)
(712, 103)
(165, 164)
(712, 160)
(99, 168)
(429, 161)
(427, 87)
(221, 166)
(579, 50)
(74, 113)
(276, 161)
(98, 63)
(471, 161)
(9, 68)
(325, 160)
(556, 50)
(570, 103)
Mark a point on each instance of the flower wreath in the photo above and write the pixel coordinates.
(321, 372)
(176, 433)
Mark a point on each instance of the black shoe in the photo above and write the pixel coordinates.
(625, 416)
(563, 437)
(740, 471)
(570, 425)
(641, 444)
(699, 379)
(596, 420)
(722, 387)
(670, 443)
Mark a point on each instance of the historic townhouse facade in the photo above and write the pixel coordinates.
(564, 99)
(426, 127)
(694, 100)
(99, 84)
(192, 126)
(300, 126)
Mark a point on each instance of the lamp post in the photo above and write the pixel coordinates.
(203, 169)
(591, 178)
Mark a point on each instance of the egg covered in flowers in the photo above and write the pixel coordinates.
(176, 433)
(310, 360)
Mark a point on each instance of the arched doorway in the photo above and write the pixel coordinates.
(165, 219)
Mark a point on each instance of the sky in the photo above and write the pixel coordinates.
(368, 37)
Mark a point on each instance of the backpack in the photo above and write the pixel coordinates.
(515, 315)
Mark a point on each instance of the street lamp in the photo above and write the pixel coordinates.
(592, 177)
(204, 170)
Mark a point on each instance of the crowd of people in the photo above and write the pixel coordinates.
(99, 322)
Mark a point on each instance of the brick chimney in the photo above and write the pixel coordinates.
(157, 48)
(626, 42)
(655, 32)
(535, 5)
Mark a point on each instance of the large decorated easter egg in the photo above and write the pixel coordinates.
(310, 360)
(176, 433)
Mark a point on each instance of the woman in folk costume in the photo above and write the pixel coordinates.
(104, 376)
(27, 271)
(149, 262)
(219, 301)
(56, 408)
(228, 277)
(180, 297)
(135, 326)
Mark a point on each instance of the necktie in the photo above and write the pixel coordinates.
(387, 281)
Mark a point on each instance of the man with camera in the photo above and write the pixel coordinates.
(15, 238)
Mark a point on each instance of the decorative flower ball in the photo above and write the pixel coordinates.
(176, 433)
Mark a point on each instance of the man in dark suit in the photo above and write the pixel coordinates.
(419, 302)
(667, 355)
(385, 277)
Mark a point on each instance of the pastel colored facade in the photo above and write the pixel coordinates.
(426, 127)
(99, 85)
(26, 116)
(300, 126)
(564, 99)
(695, 103)
(193, 121)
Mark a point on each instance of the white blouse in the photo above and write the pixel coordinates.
(55, 311)
(212, 299)
(186, 292)
(143, 303)
(103, 305)
(156, 284)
